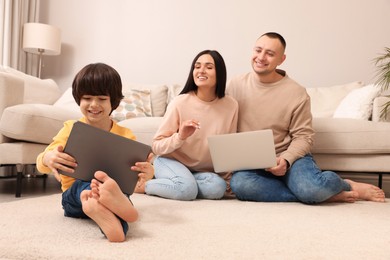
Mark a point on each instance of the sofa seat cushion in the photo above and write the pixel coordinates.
(350, 136)
(20, 152)
(144, 128)
(34, 122)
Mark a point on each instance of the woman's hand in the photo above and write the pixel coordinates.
(58, 160)
(187, 128)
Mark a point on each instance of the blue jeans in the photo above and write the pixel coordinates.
(303, 182)
(173, 180)
(72, 206)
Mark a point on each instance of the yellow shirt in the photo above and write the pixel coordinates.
(62, 137)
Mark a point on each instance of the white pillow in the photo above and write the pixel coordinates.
(324, 100)
(358, 103)
(67, 101)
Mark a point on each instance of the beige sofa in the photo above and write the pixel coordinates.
(33, 110)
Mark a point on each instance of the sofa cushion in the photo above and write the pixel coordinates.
(358, 103)
(34, 122)
(136, 103)
(350, 136)
(144, 128)
(173, 91)
(158, 96)
(36, 90)
(325, 100)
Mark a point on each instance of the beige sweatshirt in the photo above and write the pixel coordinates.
(283, 106)
(215, 117)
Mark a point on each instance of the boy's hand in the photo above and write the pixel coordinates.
(146, 172)
(58, 160)
(145, 169)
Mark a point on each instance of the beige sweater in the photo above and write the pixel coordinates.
(215, 117)
(283, 106)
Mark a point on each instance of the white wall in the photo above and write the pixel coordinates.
(154, 41)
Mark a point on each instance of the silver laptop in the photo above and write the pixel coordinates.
(242, 151)
(95, 149)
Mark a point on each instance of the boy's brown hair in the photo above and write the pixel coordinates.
(98, 79)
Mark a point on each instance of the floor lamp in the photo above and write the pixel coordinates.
(41, 39)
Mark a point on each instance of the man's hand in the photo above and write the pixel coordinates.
(280, 169)
(58, 160)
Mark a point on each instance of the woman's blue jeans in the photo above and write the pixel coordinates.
(173, 180)
(303, 182)
(71, 202)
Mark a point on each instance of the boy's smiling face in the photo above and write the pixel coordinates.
(96, 109)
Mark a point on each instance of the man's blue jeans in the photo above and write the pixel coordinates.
(303, 182)
(173, 180)
(72, 206)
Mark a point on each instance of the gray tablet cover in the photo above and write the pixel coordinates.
(95, 149)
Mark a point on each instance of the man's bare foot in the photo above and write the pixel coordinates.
(367, 191)
(344, 196)
(103, 217)
(109, 194)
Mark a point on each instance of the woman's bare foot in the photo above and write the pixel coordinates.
(367, 191)
(109, 194)
(344, 196)
(103, 217)
(140, 187)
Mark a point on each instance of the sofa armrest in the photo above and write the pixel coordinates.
(378, 107)
(11, 93)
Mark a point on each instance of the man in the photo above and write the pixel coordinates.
(269, 99)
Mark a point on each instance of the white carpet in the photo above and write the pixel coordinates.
(229, 229)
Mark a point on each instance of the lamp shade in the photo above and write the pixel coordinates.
(41, 38)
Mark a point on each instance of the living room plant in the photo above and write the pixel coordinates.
(382, 62)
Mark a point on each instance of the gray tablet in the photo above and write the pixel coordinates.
(95, 149)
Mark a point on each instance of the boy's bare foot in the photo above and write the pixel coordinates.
(344, 196)
(367, 191)
(105, 219)
(109, 194)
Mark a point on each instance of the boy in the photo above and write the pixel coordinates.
(97, 89)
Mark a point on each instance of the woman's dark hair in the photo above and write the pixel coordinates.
(220, 69)
(98, 79)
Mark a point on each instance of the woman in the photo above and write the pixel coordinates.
(183, 166)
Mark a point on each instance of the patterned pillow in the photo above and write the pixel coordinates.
(136, 103)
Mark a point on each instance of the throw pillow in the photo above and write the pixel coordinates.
(358, 103)
(324, 100)
(136, 103)
(158, 96)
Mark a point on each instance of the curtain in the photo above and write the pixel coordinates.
(15, 13)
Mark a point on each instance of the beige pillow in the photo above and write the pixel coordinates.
(158, 96)
(36, 90)
(136, 103)
(173, 91)
(325, 100)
